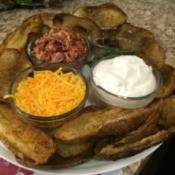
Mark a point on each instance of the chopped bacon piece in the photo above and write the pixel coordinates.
(59, 46)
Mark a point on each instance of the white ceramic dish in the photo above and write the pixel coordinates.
(89, 168)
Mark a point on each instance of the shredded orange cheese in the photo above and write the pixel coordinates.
(50, 93)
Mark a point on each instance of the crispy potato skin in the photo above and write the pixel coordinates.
(67, 150)
(74, 24)
(168, 76)
(167, 115)
(18, 38)
(107, 15)
(30, 145)
(153, 53)
(158, 128)
(13, 62)
(72, 149)
(106, 122)
(133, 37)
(112, 152)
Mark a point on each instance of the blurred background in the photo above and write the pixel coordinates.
(9, 4)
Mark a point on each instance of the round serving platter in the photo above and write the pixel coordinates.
(89, 168)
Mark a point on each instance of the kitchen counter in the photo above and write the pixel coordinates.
(154, 15)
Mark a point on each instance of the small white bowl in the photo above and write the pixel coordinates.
(105, 98)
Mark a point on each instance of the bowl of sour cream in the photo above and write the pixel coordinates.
(124, 81)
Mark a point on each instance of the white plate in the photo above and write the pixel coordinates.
(89, 168)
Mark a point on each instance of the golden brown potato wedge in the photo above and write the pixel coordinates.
(129, 36)
(47, 19)
(18, 38)
(167, 116)
(107, 15)
(72, 149)
(148, 128)
(30, 145)
(125, 39)
(74, 24)
(58, 161)
(152, 53)
(168, 75)
(13, 62)
(112, 152)
(106, 122)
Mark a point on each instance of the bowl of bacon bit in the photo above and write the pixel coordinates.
(48, 94)
(59, 46)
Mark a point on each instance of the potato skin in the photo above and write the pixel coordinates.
(106, 122)
(31, 146)
(107, 15)
(168, 76)
(13, 62)
(71, 23)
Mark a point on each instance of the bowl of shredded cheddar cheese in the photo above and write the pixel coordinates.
(48, 94)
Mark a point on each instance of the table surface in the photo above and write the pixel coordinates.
(154, 15)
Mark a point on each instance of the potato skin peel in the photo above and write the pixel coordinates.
(110, 152)
(30, 145)
(107, 15)
(106, 122)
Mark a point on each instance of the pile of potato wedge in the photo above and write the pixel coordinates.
(110, 133)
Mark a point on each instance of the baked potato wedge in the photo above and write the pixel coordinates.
(152, 53)
(58, 161)
(30, 145)
(130, 37)
(72, 149)
(47, 19)
(112, 152)
(107, 15)
(168, 86)
(167, 116)
(13, 62)
(164, 129)
(125, 39)
(18, 38)
(146, 129)
(106, 122)
(74, 24)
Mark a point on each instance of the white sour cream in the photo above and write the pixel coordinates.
(126, 76)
